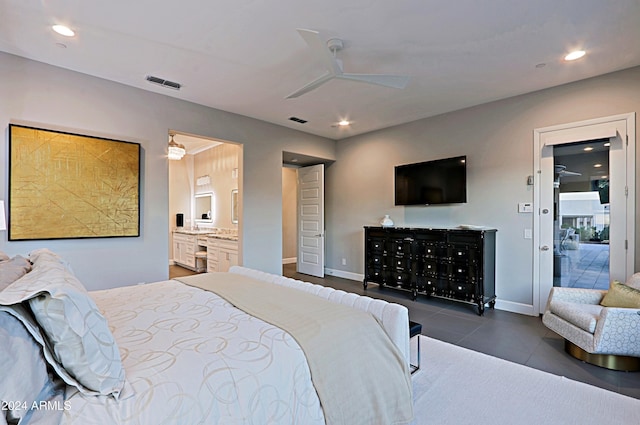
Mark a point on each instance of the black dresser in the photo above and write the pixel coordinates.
(456, 264)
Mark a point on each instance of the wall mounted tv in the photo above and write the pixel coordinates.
(443, 181)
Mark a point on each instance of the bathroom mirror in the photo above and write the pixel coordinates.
(204, 208)
(234, 206)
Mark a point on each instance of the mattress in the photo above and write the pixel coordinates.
(170, 353)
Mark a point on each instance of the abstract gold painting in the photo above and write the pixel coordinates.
(64, 185)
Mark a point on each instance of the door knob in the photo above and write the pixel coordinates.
(544, 248)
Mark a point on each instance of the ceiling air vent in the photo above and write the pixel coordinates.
(298, 120)
(164, 83)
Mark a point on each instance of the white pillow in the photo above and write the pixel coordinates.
(72, 324)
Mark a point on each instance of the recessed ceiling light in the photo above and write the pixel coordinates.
(63, 30)
(344, 123)
(588, 149)
(576, 54)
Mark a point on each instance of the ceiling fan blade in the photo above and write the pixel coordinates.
(564, 173)
(312, 85)
(561, 171)
(394, 81)
(319, 46)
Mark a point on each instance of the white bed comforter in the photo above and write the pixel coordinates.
(256, 373)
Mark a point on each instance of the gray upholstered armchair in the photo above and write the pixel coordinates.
(605, 336)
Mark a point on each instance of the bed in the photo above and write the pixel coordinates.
(243, 347)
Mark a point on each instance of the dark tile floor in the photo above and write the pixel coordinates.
(510, 336)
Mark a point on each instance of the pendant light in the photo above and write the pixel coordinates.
(176, 150)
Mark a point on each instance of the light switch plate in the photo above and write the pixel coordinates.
(525, 207)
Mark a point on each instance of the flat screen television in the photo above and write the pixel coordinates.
(443, 181)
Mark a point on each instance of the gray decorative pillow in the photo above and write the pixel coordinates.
(72, 324)
(23, 374)
(12, 270)
(3, 256)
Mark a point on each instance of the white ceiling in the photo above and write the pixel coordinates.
(245, 56)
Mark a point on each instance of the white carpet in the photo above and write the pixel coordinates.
(459, 386)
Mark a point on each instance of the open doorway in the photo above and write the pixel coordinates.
(205, 193)
(289, 221)
(303, 230)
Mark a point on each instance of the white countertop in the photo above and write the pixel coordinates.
(215, 233)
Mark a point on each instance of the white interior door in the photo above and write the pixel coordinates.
(618, 130)
(311, 220)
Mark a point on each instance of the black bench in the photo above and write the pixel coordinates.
(415, 329)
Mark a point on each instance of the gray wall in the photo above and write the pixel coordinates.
(498, 141)
(40, 95)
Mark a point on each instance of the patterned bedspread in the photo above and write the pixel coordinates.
(192, 358)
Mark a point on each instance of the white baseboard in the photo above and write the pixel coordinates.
(345, 275)
(514, 307)
(291, 260)
(510, 306)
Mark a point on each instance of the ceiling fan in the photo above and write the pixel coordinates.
(561, 171)
(327, 52)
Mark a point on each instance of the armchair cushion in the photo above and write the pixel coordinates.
(634, 281)
(584, 316)
(621, 295)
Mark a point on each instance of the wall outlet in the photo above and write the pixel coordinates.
(344, 261)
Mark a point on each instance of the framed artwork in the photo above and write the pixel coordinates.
(68, 186)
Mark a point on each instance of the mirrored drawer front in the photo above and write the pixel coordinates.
(434, 268)
(433, 249)
(375, 274)
(462, 290)
(401, 263)
(376, 245)
(469, 253)
(376, 261)
(401, 246)
(463, 270)
(400, 278)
